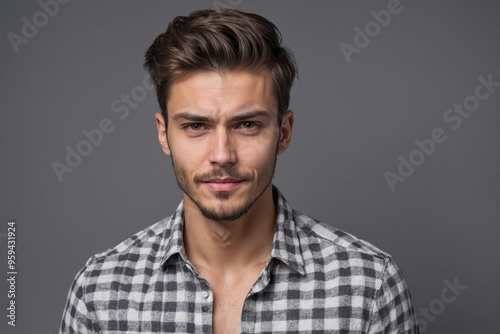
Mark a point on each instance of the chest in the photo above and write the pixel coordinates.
(180, 302)
(228, 303)
(227, 310)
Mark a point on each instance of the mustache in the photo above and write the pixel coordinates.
(222, 173)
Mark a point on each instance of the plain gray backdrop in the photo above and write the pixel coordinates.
(355, 121)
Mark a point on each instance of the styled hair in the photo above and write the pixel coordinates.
(220, 40)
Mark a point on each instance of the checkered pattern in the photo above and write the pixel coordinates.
(317, 280)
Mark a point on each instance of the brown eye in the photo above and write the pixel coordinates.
(248, 125)
(194, 127)
(249, 128)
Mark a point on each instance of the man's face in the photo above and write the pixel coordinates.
(223, 136)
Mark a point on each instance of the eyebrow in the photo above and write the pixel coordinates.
(237, 118)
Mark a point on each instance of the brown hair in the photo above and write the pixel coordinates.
(219, 40)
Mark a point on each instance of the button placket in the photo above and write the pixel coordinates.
(206, 303)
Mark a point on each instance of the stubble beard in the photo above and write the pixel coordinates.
(211, 213)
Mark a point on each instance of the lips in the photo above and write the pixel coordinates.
(224, 180)
(223, 184)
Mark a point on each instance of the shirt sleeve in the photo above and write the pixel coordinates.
(77, 317)
(392, 311)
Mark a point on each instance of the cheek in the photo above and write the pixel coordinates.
(187, 155)
(259, 153)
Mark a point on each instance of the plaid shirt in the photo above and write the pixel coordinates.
(318, 280)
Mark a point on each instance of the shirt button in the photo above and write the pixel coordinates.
(204, 294)
(204, 308)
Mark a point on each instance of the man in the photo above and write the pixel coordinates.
(234, 257)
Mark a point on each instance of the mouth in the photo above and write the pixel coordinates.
(223, 184)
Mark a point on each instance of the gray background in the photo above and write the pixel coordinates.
(353, 120)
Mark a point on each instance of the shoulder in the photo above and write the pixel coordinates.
(327, 234)
(137, 253)
(141, 239)
(123, 269)
(323, 243)
(354, 267)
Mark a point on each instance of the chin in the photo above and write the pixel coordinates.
(225, 210)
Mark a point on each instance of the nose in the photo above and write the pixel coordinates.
(222, 150)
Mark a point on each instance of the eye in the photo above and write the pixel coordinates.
(194, 127)
(248, 125)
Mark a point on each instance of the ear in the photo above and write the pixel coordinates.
(285, 131)
(162, 133)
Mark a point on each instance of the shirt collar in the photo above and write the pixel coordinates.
(286, 245)
(174, 234)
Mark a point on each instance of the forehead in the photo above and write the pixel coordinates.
(222, 94)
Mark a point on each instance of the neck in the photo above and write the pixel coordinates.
(228, 246)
